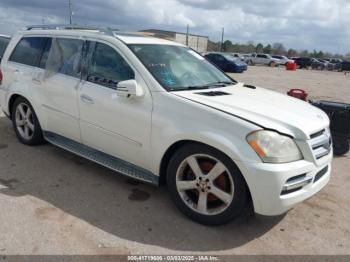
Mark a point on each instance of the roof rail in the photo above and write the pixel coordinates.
(106, 31)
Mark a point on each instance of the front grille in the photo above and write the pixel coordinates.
(320, 143)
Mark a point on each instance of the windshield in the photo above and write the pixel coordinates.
(179, 68)
(230, 57)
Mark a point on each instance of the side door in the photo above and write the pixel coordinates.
(261, 59)
(20, 66)
(58, 78)
(223, 62)
(118, 126)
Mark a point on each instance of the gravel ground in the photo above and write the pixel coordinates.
(56, 203)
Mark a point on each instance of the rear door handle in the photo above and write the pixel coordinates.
(86, 99)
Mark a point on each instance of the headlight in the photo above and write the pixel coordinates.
(273, 147)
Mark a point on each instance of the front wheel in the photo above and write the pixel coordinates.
(206, 185)
(25, 123)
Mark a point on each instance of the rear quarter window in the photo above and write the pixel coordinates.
(3, 44)
(28, 51)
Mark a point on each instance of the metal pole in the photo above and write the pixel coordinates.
(187, 35)
(70, 11)
(222, 39)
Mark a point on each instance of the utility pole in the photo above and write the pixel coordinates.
(70, 11)
(222, 39)
(187, 34)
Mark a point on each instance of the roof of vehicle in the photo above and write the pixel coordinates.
(126, 37)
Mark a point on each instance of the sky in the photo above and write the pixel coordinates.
(300, 24)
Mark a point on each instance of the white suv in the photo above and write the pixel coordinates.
(157, 111)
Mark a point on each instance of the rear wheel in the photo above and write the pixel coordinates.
(272, 64)
(25, 123)
(206, 185)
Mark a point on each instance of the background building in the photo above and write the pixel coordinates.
(196, 42)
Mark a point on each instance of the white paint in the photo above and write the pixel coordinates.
(141, 129)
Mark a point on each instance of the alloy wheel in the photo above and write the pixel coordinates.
(24, 121)
(205, 184)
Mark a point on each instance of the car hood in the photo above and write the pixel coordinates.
(265, 108)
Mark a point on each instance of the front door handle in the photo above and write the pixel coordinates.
(36, 81)
(86, 99)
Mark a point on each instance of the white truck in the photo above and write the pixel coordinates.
(261, 59)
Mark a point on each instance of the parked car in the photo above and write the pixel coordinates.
(283, 60)
(262, 59)
(4, 40)
(226, 62)
(303, 62)
(318, 64)
(157, 111)
(345, 66)
(337, 63)
(238, 56)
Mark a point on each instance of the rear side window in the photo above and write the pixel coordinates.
(108, 67)
(28, 51)
(220, 58)
(3, 44)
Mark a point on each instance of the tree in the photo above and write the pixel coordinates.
(267, 49)
(259, 48)
(292, 52)
(304, 53)
(278, 49)
(227, 46)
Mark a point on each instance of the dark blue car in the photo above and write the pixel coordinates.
(227, 62)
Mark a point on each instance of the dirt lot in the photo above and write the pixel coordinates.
(53, 202)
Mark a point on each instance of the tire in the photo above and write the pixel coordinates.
(272, 64)
(340, 145)
(251, 62)
(224, 194)
(25, 123)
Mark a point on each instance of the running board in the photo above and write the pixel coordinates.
(101, 158)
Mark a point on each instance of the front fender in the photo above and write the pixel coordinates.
(175, 119)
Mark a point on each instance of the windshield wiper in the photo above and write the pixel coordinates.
(222, 83)
(190, 88)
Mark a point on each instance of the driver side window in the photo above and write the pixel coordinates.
(108, 67)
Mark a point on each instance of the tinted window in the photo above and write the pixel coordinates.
(108, 67)
(220, 58)
(3, 44)
(28, 51)
(261, 56)
(45, 54)
(65, 56)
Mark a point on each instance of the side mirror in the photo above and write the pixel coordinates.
(129, 88)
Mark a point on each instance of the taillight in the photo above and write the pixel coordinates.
(0, 77)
